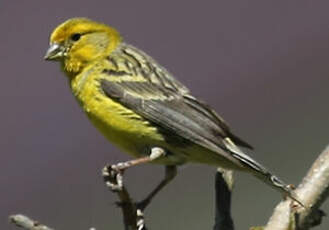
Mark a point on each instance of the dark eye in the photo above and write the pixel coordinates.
(75, 37)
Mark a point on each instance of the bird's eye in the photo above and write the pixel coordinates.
(75, 37)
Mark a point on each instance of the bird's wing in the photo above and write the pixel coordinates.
(154, 84)
(167, 110)
(207, 111)
(165, 102)
(171, 113)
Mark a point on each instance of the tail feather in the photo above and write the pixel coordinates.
(237, 140)
(279, 185)
(261, 172)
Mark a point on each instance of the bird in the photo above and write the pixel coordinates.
(140, 107)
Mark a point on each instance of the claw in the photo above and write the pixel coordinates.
(291, 186)
(293, 196)
(113, 177)
(114, 187)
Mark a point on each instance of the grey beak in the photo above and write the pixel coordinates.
(55, 51)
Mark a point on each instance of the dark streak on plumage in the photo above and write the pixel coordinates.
(173, 139)
(168, 104)
(116, 73)
(144, 73)
(139, 65)
(127, 64)
(129, 61)
(168, 84)
(114, 63)
(156, 74)
(171, 115)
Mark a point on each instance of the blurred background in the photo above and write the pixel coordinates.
(263, 65)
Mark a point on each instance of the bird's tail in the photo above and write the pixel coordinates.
(261, 172)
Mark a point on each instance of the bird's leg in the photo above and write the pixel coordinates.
(113, 177)
(170, 173)
(113, 174)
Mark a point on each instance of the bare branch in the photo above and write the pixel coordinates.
(223, 187)
(26, 223)
(133, 217)
(313, 191)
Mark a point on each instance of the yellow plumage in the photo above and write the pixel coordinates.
(138, 105)
(121, 126)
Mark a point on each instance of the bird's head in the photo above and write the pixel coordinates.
(79, 41)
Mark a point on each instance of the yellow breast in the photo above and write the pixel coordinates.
(118, 124)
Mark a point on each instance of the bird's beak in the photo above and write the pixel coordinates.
(54, 52)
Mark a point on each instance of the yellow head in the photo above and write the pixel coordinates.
(79, 41)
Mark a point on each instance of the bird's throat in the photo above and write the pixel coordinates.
(73, 66)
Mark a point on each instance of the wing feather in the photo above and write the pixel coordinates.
(167, 110)
(153, 93)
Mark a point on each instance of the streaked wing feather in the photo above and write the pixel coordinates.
(159, 90)
(167, 110)
(207, 111)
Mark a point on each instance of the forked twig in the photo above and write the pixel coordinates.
(313, 191)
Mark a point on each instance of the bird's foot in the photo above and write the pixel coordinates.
(296, 203)
(289, 189)
(113, 177)
(291, 186)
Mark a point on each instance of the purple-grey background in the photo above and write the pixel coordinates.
(263, 65)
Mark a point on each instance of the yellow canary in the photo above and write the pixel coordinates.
(139, 106)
